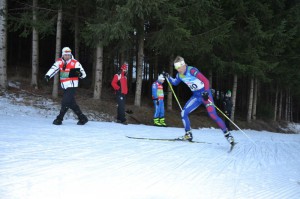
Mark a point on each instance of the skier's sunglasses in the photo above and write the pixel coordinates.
(177, 65)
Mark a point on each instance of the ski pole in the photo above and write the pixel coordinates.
(170, 85)
(231, 121)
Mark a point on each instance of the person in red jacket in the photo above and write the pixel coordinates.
(119, 83)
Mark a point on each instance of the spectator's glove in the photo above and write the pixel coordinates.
(47, 78)
(165, 74)
(78, 73)
(205, 95)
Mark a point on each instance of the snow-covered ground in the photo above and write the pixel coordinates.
(39, 160)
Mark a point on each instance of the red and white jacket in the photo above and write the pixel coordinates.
(119, 82)
(65, 80)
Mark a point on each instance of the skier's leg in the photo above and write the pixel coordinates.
(189, 107)
(213, 115)
(162, 113)
(156, 114)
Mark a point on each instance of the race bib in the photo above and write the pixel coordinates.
(195, 85)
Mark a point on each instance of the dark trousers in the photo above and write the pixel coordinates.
(227, 122)
(121, 107)
(68, 101)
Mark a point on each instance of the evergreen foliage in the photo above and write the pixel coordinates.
(246, 38)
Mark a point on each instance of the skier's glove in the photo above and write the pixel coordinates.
(205, 95)
(156, 101)
(47, 78)
(165, 74)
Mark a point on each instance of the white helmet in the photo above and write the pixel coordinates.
(66, 51)
(161, 78)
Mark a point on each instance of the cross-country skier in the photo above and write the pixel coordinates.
(70, 72)
(158, 100)
(199, 86)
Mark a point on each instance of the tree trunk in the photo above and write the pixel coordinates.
(286, 106)
(57, 50)
(275, 106)
(76, 32)
(35, 48)
(139, 80)
(3, 44)
(280, 106)
(233, 97)
(98, 72)
(288, 109)
(130, 68)
(255, 99)
(170, 94)
(250, 104)
(291, 108)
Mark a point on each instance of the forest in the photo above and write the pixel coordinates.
(249, 47)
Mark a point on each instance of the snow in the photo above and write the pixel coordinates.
(41, 160)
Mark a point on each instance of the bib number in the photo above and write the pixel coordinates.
(194, 86)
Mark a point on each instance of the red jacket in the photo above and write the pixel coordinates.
(119, 82)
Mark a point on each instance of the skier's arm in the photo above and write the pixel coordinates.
(174, 81)
(114, 82)
(53, 70)
(154, 91)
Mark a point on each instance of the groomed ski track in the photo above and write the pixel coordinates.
(40, 160)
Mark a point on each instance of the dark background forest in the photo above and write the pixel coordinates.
(249, 47)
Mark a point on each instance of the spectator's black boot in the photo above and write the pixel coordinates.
(81, 117)
(59, 118)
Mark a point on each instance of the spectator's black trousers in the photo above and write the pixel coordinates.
(121, 107)
(68, 101)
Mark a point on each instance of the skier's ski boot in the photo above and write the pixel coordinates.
(187, 136)
(58, 121)
(162, 122)
(229, 137)
(82, 120)
(156, 122)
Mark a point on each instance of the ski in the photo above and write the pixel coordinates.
(168, 139)
(232, 146)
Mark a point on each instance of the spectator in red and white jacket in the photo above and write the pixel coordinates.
(70, 72)
(119, 83)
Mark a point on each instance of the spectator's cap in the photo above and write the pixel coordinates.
(124, 67)
(228, 93)
(161, 78)
(66, 51)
